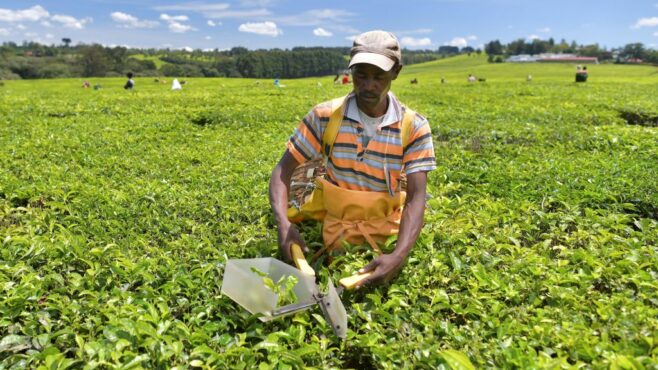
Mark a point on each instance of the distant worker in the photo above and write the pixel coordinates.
(528, 78)
(85, 84)
(98, 87)
(443, 80)
(471, 78)
(346, 79)
(175, 85)
(337, 79)
(581, 74)
(414, 81)
(130, 83)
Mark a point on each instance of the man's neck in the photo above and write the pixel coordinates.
(378, 111)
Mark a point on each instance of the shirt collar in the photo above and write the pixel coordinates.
(393, 112)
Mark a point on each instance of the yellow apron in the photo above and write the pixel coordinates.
(351, 215)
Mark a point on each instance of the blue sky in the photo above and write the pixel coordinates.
(285, 23)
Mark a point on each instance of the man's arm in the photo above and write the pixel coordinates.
(386, 266)
(279, 189)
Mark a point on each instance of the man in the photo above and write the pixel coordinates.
(364, 166)
(130, 83)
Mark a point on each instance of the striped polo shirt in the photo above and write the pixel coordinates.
(372, 168)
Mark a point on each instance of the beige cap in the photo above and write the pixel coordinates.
(380, 48)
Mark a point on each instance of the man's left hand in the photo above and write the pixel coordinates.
(383, 268)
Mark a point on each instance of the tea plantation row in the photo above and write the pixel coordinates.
(118, 211)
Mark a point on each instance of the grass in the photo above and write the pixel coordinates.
(154, 58)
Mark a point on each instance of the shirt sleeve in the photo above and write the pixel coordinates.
(305, 143)
(419, 153)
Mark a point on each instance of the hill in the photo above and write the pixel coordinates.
(456, 69)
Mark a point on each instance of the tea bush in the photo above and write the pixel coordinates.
(118, 211)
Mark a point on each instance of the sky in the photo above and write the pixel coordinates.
(256, 24)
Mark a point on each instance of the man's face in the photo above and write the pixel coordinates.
(371, 84)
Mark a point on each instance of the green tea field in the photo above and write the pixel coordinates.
(119, 210)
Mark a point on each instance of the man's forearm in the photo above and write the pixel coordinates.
(280, 187)
(410, 226)
(411, 222)
(279, 196)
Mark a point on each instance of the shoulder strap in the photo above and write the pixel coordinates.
(331, 131)
(406, 127)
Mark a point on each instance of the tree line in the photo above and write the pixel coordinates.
(633, 52)
(31, 60)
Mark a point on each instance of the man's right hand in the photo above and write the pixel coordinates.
(289, 235)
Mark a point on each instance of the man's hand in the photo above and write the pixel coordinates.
(386, 266)
(383, 268)
(289, 235)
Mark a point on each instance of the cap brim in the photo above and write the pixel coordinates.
(381, 61)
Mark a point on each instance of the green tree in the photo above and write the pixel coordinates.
(493, 48)
(94, 61)
(635, 50)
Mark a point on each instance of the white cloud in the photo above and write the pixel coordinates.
(176, 27)
(255, 2)
(414, 42)
(217, 10)
(4, 32)
(194, 7)
(208, 38)
(173, 18)
(71, 22)
(21, 27)
(458, 41)
(129, 21)
(461, 41)
(646, 22)
(31, 35)
(544, 30)
(187, 48)
(212, 23)
(351, 38)
(33, 14)
(174, 23)
(262, 28)
(46, 24)
(655, 34)
(50, 36)
(321, 32)
(316, 17)
(533, 37)
(238, 14)
(344, 28)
